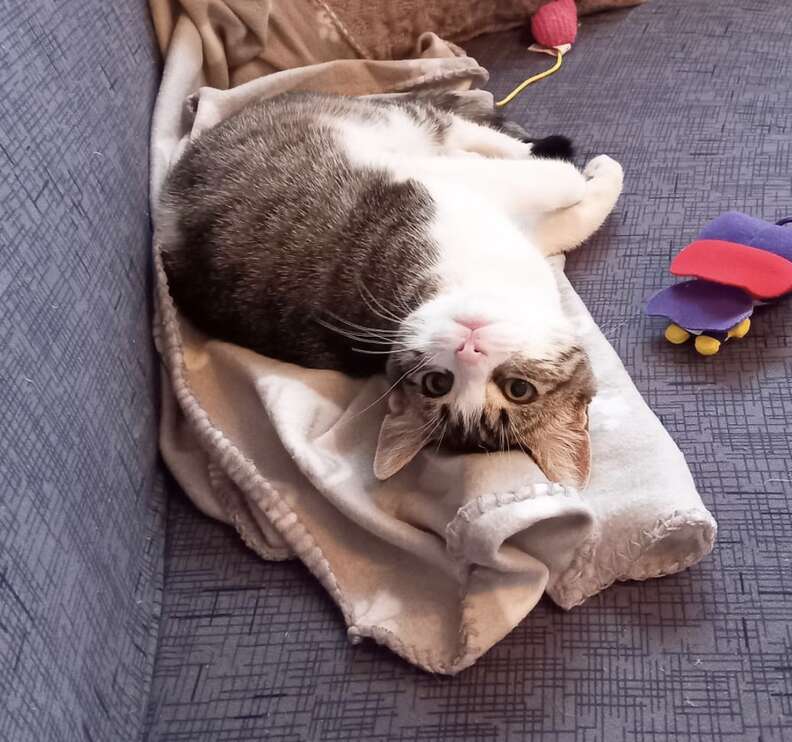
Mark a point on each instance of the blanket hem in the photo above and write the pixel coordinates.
(578, 587)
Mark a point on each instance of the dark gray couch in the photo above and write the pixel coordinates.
(119, 622)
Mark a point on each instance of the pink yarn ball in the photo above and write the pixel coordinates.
(556, 23)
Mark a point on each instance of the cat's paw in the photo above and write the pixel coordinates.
(548, 185)
(562, 185)
(604, 167)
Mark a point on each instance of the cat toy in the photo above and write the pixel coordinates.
(737, 262)
(554, 29)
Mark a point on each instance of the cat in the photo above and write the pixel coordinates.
(405, 236)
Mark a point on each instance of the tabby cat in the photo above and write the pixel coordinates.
(407, 236)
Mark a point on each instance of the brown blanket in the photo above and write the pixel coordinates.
(245, 39)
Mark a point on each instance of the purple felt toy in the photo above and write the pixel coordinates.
(734, 226)
(700, 305)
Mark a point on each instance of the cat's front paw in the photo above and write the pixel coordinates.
(604, 167)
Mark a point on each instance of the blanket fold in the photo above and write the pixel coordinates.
(441, 561)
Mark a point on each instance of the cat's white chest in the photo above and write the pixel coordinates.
(479, 245)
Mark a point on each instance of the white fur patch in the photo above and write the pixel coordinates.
(490, 269)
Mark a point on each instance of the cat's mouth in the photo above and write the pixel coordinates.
(485, 434)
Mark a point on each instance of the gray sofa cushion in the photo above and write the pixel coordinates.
(81, 510)
(678, 91)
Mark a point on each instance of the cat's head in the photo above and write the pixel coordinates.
(481, 374)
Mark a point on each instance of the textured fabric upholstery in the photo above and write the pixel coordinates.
(250, 650)
(81, 509)
(692, 96)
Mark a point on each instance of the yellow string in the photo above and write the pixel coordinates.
(514, 93)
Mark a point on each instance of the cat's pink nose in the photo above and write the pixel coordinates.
(469, 352)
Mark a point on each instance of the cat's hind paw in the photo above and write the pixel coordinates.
(604, 167)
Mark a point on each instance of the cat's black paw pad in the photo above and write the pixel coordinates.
(556, 147)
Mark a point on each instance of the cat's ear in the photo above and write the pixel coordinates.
(401, 437)
(563, 450)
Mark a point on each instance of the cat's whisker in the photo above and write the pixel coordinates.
(377, 312)
(516, 437)
(376, 331)
(428, 424)
(356, 336)
(334, 328)
(442, 435)
(437, 421)
(418, 366)
(375, 352)
(388, 315)
(371, 352)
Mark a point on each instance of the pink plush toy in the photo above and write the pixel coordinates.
(554, 28)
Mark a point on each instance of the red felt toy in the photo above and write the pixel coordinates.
(760, 273)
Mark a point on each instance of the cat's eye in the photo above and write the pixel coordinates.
(437, 383)
(518, 390)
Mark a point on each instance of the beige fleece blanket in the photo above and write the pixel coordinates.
(443, 560)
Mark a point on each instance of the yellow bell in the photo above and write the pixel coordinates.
(676, 335)
(740, 330)
(707, 346)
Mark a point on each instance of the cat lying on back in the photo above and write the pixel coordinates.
(370, 235)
